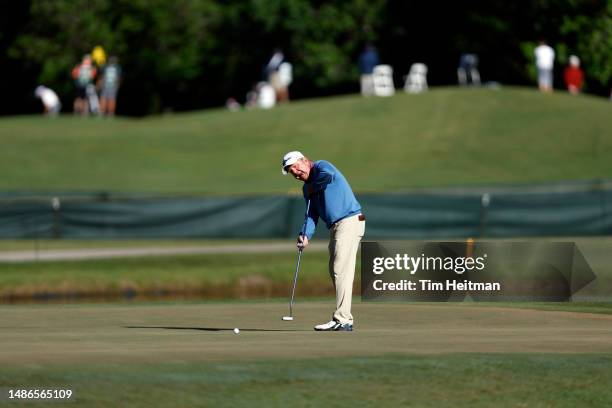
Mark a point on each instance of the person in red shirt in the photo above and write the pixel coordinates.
(83, 75)
(573, 75)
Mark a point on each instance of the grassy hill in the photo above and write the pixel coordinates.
(446, 137)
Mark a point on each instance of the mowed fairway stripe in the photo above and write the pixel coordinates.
(157, 333)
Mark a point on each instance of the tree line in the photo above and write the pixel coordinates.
(190, 54)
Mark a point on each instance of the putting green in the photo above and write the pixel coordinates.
(171, 333)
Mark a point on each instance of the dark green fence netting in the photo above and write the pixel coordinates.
(575, 210)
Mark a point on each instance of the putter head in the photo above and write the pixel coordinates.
(287, 318)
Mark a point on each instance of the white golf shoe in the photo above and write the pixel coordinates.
(333, 325)
(329, 326)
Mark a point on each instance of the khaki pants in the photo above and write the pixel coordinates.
(345, 236)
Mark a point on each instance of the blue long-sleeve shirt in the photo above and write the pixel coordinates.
(331, 197)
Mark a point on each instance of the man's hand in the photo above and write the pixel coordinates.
(302, 241)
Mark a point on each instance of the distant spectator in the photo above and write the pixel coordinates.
(109, 82)
(545, 59)
(279, 75)
(266, 97)
(51, 103)
(285, 77)
(251, 98)
(98, 55)
(467, 72)
(232, 104)
(274, 63)
(573, 75)
(367, 61)
(83, 75)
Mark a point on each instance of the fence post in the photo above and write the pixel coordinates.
(485, 200)
(56, 205)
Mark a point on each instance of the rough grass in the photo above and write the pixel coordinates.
(475, 380)
(215, 276)
(61, 244)
(446, 137)
(223, 275)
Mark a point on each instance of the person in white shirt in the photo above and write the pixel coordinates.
(50, 100)
(279, 75)
(266, 97)
(545, 59)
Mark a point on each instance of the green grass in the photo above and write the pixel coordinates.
(62, 244)
(475, 380)
(422, 355)
(446, 137)
(223, 275)
(577, 307)
(216, 275)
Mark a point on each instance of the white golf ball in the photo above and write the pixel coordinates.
(236, 330)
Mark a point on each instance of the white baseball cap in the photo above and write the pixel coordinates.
(289, 159)
(574, 60)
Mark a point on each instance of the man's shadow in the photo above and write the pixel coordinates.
(212, 329)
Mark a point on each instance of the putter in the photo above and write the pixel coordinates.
(297, 268)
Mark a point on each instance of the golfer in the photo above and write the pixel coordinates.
(331, 199)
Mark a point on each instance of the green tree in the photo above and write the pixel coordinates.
(189, 54)
(326, 38)
(576, 27)
(593, 45)
(160, 43)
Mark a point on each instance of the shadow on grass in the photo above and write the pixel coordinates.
(214, 329)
